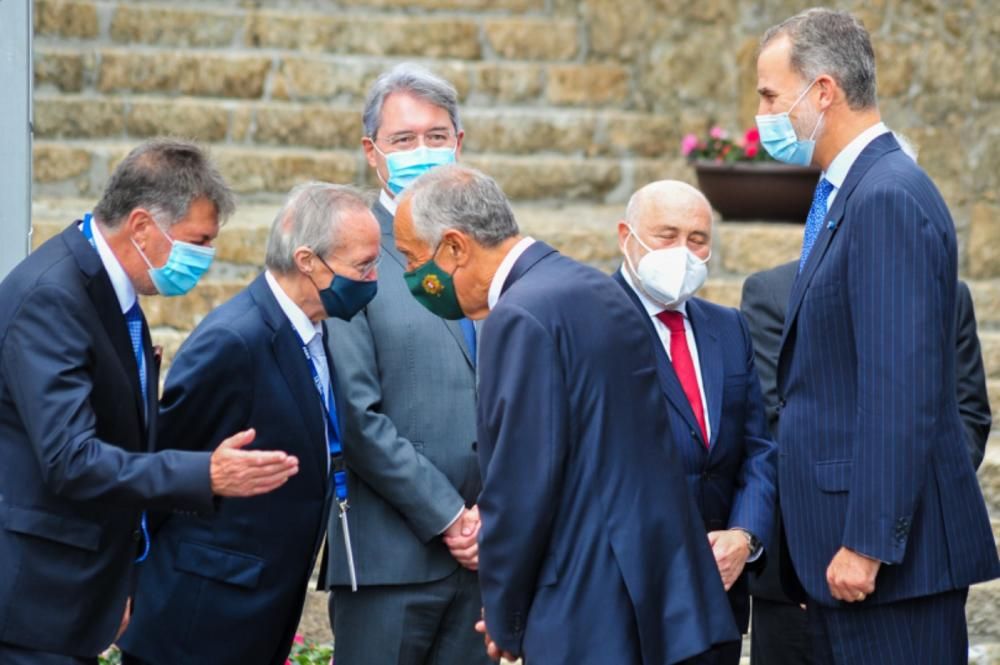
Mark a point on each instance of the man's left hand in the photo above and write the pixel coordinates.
(851, 576)
(731, 552)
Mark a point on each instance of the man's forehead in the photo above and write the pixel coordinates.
(403, 111)
(775, 58)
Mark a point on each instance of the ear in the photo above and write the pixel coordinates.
(458, 144)
(371, 155)
(828, 91)
(138, 224)
(457, 245)
(304, 258)
(623, 234)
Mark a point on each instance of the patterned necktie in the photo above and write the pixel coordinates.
(814, 222)
(133, 317)
(317, 356)
(680, 356)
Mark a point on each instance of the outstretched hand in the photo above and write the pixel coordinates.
(241, 473)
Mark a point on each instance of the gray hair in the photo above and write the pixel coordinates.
(164, 176)
(413, 80)
(457, 197)
(310, 217)
(825, 41)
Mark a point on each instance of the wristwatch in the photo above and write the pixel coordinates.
(753, 543)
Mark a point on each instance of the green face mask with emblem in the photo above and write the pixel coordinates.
(434, 289)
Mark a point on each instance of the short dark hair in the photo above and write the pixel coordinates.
(825, 41)
(164, 176)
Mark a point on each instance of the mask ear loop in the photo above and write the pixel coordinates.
(142, 253)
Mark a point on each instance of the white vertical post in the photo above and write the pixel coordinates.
(15, 131)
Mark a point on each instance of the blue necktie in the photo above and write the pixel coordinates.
(469, 332)
(133, 317)
(814, 222)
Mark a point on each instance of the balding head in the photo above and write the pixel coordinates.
(667, 213)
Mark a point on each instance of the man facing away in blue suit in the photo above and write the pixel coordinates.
(229, 588)
(885, 522)
(705, 365)
(591, 549)
(78, 386)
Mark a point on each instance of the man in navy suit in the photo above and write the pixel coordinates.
(705, 365)
(779, 625)
(591, 549)
(258, 361)
(884, 519)
(78, 383)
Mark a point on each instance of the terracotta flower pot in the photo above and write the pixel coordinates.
(760, 191)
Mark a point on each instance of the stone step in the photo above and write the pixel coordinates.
(510, 130)
(989, 341)
(986, 297)
(303, 76)
(80, 168)
(989, 475)
(982, 610)
(469, 35)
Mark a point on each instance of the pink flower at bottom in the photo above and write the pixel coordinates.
(299, 640)
(717, 133)
(752, 149)
(688, 144)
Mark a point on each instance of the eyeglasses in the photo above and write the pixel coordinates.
(436, 138)
(365, 270)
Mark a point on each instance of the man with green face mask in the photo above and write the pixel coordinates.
(408, 382)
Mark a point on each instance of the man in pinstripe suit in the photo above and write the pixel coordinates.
(885, 522)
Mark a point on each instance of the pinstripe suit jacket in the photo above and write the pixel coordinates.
(872, 453)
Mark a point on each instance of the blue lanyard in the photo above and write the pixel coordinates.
(88, 233)
(337, 466)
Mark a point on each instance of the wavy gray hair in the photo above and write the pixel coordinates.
(414, 80)
(310, 217)
(830, 42)
(457, 197)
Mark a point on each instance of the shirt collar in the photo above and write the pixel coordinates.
(388, 202)
(120, 281)
(836, 173)
(652, 308)
(503, 272)
(305, 328)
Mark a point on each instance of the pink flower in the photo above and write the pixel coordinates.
(299, 640)
(688, 144)
(717, 133)
(752, 136)
(752, 149)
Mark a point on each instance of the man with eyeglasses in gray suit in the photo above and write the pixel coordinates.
(408, 379)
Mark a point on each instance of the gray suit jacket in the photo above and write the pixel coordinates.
(409, 386)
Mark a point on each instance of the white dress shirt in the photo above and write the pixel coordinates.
(836, 173)
(120, 281)
(306, 330)
(387, 201)
(503, 272)
(652, 309)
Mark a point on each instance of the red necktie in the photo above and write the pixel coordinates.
(680, 355)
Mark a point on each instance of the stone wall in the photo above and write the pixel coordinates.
(277, 86)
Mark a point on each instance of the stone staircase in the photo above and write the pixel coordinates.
(563, 101)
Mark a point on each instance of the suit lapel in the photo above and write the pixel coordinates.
(109, 311)
(831, 224)
(536, 252)
(669, 383)
(710, 361)
(293, 364)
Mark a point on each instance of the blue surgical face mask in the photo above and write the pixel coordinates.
(777, 135)
(408, 165)
(184, 267)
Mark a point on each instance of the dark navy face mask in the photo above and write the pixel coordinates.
(345, 297)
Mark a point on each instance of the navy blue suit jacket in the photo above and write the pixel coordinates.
(873, 454)
(734, 480)
(243, 572)
(591, 548)
(74, 477)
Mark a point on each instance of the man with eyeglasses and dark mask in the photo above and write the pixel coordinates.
(409, 384)
(259, 361)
